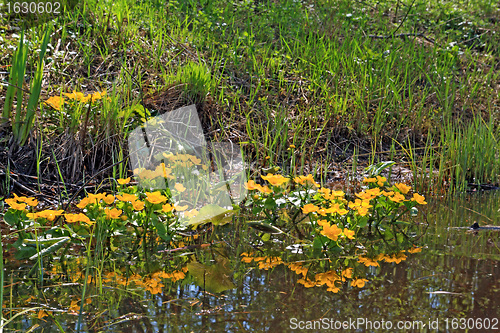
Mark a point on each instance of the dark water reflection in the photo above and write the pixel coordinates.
(457, 275)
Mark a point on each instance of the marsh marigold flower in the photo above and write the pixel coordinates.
(126, 197)
(179, 187)
(55, 102)
(123, 181)
(402, 188)
(397, 197)
(309, 208)
(155, 197)
(331, 231)
(112, 213)
(360, 283)
(306, 180)
(349, 233)
(275, 180)
(80, 217)
(368, 261)
(420, 199)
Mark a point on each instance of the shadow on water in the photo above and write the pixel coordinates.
(453, 279)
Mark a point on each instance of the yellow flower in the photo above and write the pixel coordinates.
(43, 313)
(77, 96)
(167, 208)
(330, 231)
(29, 201)
(191, 213)
(414, 250)
(109, 199)
(112, 213)
(298, 268)
(370, 180)
(420, 199)
(325, 192)
(55, 102)
(50, 214)
(329, 278)
(335, 208)
(402, 188)
(74, 307)
(397, 258)
(369, 194)
(16, 206)
(349, 233)
(360, 283)
(181, 208)
(305, 180)
(275, 180)
(292, 146)
(195, 160)
(97, 95)
(265, 189)
(381, 180)
(179, 187)
(368, 262)
(397, 197)
(138, 205)
(155, 197)
(126, 197)
(347, 273)
(80, 217)
(251, 185)
(337, 194)
(309, 208)
(123, 181)
(307, 283)
(83, 203)
(387, 194)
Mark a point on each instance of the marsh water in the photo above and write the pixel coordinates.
(452, 285)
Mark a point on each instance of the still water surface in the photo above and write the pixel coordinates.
(453, 280)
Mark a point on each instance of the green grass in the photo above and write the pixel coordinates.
(322, 75)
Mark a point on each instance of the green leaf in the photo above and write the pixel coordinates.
(264, 227)
(388, 235)
(50, 249)
(376, 169)
(317, 246)
(24, 252)
(160, 228)
(270, 203)
(11, 217)
(211, 213)
(214, 278)
(362, 222)
(44, 241)
(400, 238)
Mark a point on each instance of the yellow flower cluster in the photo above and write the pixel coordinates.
(184, 160)
(332, 280)
(95, 199)
(160, 171)
(303, 180)
(298, 268)
(57, 101)
(264, 262)
(48, 214)
(333, 232)
(19, 203)
(152, 283)
(397, 258)
(251, 185)
(276, 180)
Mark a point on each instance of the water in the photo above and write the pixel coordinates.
(452, 285)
